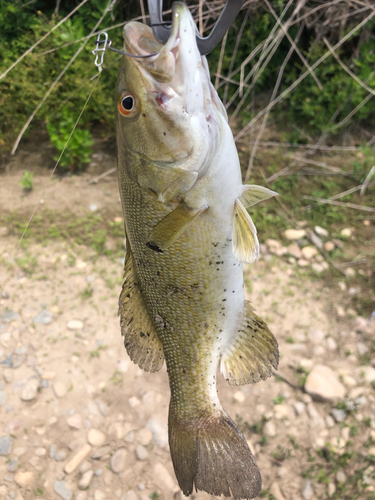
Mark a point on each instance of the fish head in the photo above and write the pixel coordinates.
(167, 109)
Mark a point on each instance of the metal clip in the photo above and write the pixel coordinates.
(100, 51)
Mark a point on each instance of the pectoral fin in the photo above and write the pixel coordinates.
(245, 243)
(252, 353)
(172, 226)
(140, 338)
(253, 194)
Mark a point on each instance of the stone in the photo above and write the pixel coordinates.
(314, 416)
(85, 480)
(74, 324)
(25, 479)
(101, 452)
(361, 324)
(320, 231)
(294, 250)
(340, 476)
(316, 241)
(346, 232)
(309, 252)
(239, 396)
(276, 492)
(77, 458)
(84, 467)
(159, 431)
(61, 488)
(269, 429)
(8, 375)
(6, 443)
(4, 293)
(30, 391)
(367, 373)
(40, 452)
(45, 317)
(134, 401)
(144, 436)
(329, 246)
(118, 460)
(294, 234)
(331, 489)
(303, 263)
(331, 344)
(323, 384)
(12, 465)
(75, 421)
(60, 389)
(299, 407)
(362, 348)
(307, 491)
(162, 477)
(130, 436)
(99, 495)
(280, 411)
(3, 397)
(96, 437)
(338, 415)
(318, 268)
(9, 316)
(316, 336)
(340, 311)
(140, 452)
(103, 408)
(129, 495)
(82, 495)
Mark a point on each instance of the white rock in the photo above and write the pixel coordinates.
(60, 389)
(319, 350)
(280, 412)
(40, 452)
(307, 491)
(316, 336)
(321, 231)
(299, 407)
(75, 421)
(134, 401)
(130, 495)
(331, 344)
(314, 415)
(74, 324)
(140, 452)
(361, 324)
(159, 431)
(96, 437)
(340, 476)
(30, 391)
(99, 495)
(162, 478)
(329, 246)
(367, 373)
(346, 233)
(331, 489)
(85, 480)
(323, 384)
(294, 250)
(118, 460)
(362, 348)
(269, 429)
(303, 263)
(309, 252)
(239, 396)
(144, 436)
(294, 234)
(25, 479)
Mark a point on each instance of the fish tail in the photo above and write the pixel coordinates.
(212, 455)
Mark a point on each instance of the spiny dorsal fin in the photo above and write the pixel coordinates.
(253, 352)
(140, 338)
(172, 226)
(245, 243)
(253, 194)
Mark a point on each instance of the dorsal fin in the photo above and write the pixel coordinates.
(140, 338)
(245, 243)
(252, 353)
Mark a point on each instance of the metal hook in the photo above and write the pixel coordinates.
(206, 44)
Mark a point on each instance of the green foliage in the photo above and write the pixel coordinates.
(27, 181)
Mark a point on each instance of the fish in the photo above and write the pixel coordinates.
(188, 233)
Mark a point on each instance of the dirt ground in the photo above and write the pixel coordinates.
(79, 420)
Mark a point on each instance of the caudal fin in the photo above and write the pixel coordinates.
(212, 455)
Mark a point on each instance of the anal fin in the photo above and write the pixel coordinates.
(140, 338)
(172, 226)
(253, 194)
(252, 353)
(245, 243)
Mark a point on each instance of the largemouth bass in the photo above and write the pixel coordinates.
(188, 233)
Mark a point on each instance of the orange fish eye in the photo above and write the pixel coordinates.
(127, 104)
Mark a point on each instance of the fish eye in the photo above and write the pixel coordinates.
(127, 104)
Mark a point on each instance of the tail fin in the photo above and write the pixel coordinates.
(212, 455)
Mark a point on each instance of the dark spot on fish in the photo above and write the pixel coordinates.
(206, 325)
(233, 291)
(144, 115)
(215, 244)
(153, 247)
(225, 289)
(221, 331)
(217, 269)
(142, 335)
(224, 300)
(218, 262)
(164, 133)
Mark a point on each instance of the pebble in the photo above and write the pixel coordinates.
(130, 436)
(294, 234)
(144, 436)
(309, 252)
(276, 492)
(361, 324)
(303, 263)
(75, 461)
(329, 246)
(82, 495)
(367, 373)
(8, 375)
(74, 324)
(60, 389)
(239, 396)
(84, 467)
(338, 415)
(316, 336)
(313, 413)
(24, 479)
(40, 452)
(269, 429)
(307, 491)
(101, 452)
(280, 411)
(346, 232)
(316, 241)
(118, 460)
(9, 316)
(159, 431)
(85, 480)
(320, 231)
(45, 317)
(12, 465)
(340, 476)
(130, 495)
(103, 407)
(162, 477)
(294, 250)
(331, 344)
(4, 293)
(323, 384)
(61, 488)
(140, 452)
(299, 407)
(331, 489)
(75, 421)
(3, 397)
(30, 391)
(96, 437)
(6, 443)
